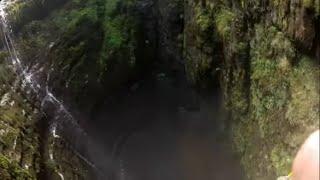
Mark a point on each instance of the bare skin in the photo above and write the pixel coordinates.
(306, 163)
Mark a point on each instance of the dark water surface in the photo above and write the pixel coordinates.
(163, 131)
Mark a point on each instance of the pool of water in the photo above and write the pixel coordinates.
(164, 132)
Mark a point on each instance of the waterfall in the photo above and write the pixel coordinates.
(63, 120)
(27, 77)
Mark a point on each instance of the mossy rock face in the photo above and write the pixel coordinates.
(21, 156)
(22, 12)
(12, 170)
(89, 48)
(84, 44)
(19, 141)
(261, 53)
(274, 127)
(200, 43)
(298, 20)
(268, 74)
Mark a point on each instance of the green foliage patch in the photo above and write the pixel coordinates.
(223, 22)
(284, 95)
(12, 170)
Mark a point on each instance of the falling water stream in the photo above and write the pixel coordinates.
(63, 118)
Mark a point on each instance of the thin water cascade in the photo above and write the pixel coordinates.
(51, 150)
(63, 120)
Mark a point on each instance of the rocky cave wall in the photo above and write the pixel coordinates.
(25, 140)
(264, 55)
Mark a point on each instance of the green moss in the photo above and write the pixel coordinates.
(304, 104)
(281, 160)
(82, 16)
(11, 170)
(317, 7)
(271, 54)
(3, 56)
(16, 9)
(18, 139)
(283, 107)
(237, 96)
(223, 22)
(115, 35)
(307, 3)
(119, 40)
(7, 139)
(204, 19)
(23, 12)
